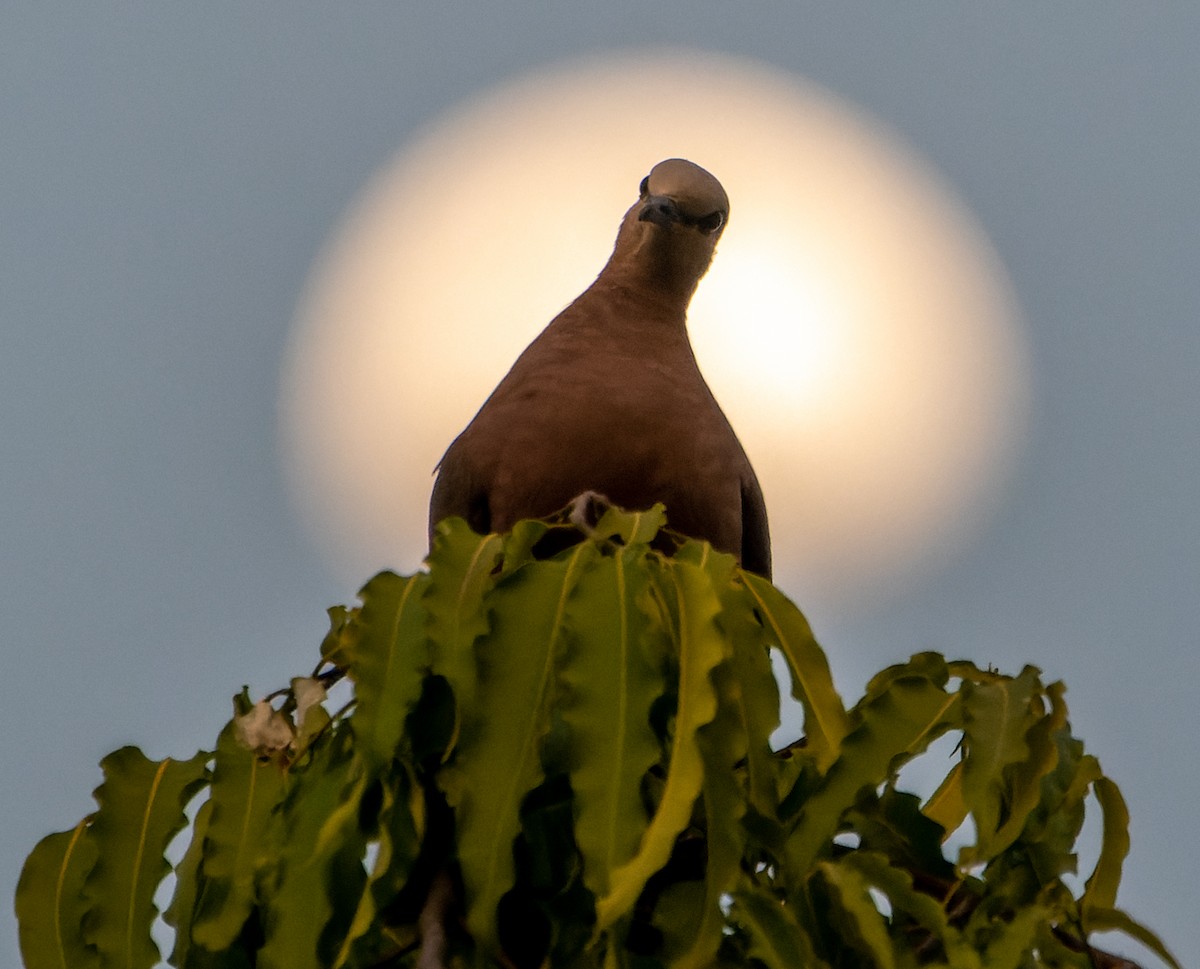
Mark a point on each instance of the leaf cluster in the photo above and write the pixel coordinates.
(562, 756)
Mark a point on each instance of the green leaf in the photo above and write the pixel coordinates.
(141, 810)
(996, 717)
(701, 647)
(1025, 779)
(861, 924)
(1101, 889)
(893, 825)
(188, 887)
(461, 571)
(312, 887)
(390, 658)
(722, 746)
(610, 683)
(901, 721)
(774, 938)
(336, 648)
(825, 719)
(1115, 920)
(1053, 827)
(398, 846)
(897, 884)
(946, 806)
(50, 904)
(756, 693)
(245, 790)
(498, 756)
(1012, 939)
(632, 527)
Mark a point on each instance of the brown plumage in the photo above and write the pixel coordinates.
(608, 398)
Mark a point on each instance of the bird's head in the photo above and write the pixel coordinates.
(671, 231)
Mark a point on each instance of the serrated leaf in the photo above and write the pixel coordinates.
(861, 926)
(312, 885)
(774, 938)
(50, 905)
(931, 666)
(677, 911)
(461, 571)
(1025, 779)
(398, 846)
(336, 649)
(1012, 939)
(1101, 889)
(722, 746)
(632, 527)
(901, 721)
(610, 683)
(1115, 920)
(391, 656)
(1053, 827)
(825, 720)
(141, 810)
(897, 884)
(498, 756)
(245, 791)
(894, 825)
(756, 693)
(946, 806)
(701, 647)
(188, 887)
(996, 717)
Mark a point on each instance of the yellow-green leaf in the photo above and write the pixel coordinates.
(391, 656)
(946, 805)
(317, 872)
(825, 719)
(756, 693)
(897, 885)
(141, 809)
(1024, 780)
(498, 757)
(610, 682)
(245, 790)
(996, 717)
(1115, 920)
(461, 570)
(861, 924)
(1101, 889)
(189, 884)
(901, 721)
(701, 647)
(775, 938)
(50, 904)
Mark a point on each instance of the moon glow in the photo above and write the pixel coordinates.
(856, 325)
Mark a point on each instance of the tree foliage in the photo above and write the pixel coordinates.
(564, 758)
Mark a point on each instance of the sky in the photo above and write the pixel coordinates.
(170, 173)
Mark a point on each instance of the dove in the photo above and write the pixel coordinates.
(609, 399)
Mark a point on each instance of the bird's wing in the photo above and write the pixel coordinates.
(756, 536)
(458, 491)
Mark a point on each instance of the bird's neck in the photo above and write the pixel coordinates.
(642, 302)
(656, 283)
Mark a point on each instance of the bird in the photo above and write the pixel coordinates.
(609, 399)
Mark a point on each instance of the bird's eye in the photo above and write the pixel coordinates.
(711, 223)
(644, 188)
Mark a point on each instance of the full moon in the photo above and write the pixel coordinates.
(856, 325)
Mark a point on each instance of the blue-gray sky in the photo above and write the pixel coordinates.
(168, 173)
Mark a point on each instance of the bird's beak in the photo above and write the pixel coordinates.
(661, 210)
